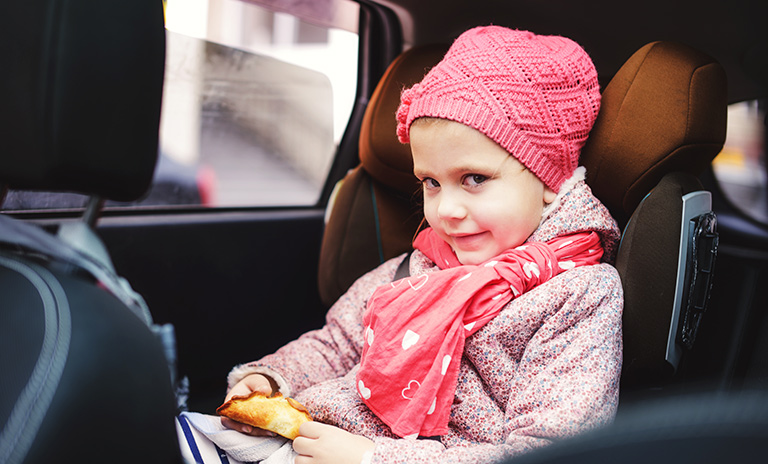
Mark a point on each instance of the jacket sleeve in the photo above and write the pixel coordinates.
(567, 380)
(328, 352)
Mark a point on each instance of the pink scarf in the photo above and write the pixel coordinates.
(416, 326)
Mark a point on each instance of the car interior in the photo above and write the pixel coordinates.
(125, 316)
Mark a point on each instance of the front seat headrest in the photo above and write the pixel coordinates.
(653, 120)
(82, 86)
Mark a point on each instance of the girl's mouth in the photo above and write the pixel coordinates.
(468, 241)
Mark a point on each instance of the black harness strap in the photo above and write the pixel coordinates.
(403, 270)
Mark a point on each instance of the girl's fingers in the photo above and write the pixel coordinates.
(311, 429)
(303, 445)
(248, 386)
(245, 428)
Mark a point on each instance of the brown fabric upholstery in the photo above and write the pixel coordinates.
(665, 110)
(350, 243)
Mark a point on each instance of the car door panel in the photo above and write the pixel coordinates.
(236, 286)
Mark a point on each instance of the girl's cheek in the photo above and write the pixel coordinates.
(429, 210)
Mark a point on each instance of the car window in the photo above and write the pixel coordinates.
(740, 168)
(254, 103)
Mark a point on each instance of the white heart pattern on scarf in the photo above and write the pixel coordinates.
(530, 268)
(432, 408)
(364, 391)
(409, 339)
(446, 362)
(409, 390)
(420, 284)
(566, 265)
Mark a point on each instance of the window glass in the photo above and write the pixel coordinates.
(254, 103)
(741, 166)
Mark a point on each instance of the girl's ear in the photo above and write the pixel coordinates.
(549, 195)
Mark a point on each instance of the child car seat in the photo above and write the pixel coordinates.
(84, 374)
(663, 112)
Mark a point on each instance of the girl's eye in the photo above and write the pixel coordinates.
(475, 179)
(430, 183)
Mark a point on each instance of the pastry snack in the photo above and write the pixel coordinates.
(274, 413)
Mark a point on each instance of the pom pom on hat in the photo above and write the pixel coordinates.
(536, 96)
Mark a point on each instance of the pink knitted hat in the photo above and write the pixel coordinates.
(536, 96)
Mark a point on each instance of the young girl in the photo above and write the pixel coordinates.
(507, 334)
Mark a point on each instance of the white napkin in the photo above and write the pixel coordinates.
(239, 446)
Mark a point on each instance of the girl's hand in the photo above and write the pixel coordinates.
(325, 444)
(249, 384)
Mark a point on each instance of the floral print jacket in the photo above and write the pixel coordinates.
(547, 367)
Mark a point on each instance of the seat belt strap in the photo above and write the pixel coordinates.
(404, 268)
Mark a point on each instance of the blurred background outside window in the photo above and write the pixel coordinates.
(741, 166)
(254, 103)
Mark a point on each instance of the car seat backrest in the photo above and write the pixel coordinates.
(84, 371)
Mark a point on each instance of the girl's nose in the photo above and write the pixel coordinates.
(450, 207)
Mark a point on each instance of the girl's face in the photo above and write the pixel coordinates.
(477, 197)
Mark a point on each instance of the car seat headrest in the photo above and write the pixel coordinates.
(664, 110)
(82, 90)
(381, 153)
